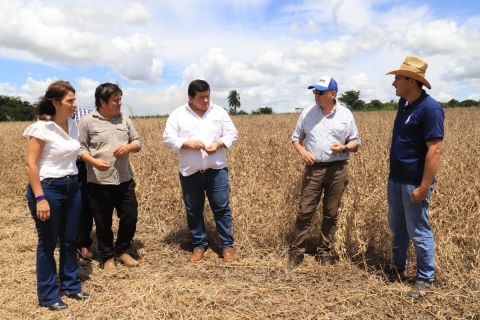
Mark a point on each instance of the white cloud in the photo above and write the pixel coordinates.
(85, 92)
(435, 37)
(136, 13)
(134, 57)
(352, 15)
(156, 101)
(45, 31)
(475, 96)
(244, 3)
(268, 57)
(33, 89)
(221, 73)
(8, 89)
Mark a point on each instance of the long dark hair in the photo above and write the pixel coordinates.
(55, 91)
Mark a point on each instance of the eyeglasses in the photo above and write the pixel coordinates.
(318, 92)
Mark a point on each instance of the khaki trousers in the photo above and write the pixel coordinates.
(331, 179)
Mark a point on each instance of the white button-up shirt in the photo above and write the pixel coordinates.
(60, 151)
(318, 131)
(184, 124)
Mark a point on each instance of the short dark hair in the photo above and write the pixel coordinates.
(105, 91)
(419, 84)
(55, 91)
(197, 86)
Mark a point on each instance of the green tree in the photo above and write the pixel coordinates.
(352, 99)
(233, 101)
(263, 110)
(374, 105)
(469, 103)
(14, 109)
(452, 103)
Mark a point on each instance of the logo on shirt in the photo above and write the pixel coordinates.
(408, 119)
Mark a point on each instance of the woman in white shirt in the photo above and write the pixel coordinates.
(53, 194)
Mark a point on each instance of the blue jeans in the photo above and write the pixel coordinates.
(409, 221)
(63, 196)
(214, 183)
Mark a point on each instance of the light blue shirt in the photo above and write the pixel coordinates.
(317, 132)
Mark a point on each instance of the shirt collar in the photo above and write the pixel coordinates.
(404, 103)
(331, 113)
(98, 115)
(193, 112)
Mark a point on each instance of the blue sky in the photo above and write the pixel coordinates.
(269, 51)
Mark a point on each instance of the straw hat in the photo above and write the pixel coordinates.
(414, 68)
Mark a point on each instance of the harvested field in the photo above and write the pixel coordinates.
(265, 174)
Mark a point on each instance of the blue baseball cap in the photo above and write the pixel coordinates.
(325, 83)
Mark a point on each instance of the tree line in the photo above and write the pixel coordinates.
(15, 109)
(352, 100)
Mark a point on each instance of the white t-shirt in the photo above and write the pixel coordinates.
(59, 155)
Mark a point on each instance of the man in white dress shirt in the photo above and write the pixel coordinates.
(201, 132)
(324, 136)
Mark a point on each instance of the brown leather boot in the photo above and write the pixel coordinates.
(127, 260)
(109, 267)
(228, 254)
(197, 254)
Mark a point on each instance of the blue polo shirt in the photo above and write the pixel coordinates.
(415, 124)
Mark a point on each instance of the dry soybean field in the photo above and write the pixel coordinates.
(265, 173)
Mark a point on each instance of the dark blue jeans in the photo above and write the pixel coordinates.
(214, 183)
(86, 218)
(63, 196)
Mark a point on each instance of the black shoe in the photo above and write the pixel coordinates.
(326, 260)
(294, 259)
(420, 289)
(394, 274)
(59, 305)
(79, 296)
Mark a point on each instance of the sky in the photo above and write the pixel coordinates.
(269, 51)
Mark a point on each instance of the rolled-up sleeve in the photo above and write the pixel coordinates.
(229, 132)
(298, 134)
(133, 136)
(353, 134)
(83, 135)
(170, 134)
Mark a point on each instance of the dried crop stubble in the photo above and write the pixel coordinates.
(265, 175)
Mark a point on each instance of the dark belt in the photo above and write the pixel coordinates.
(329, 164)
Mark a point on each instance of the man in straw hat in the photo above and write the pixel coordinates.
(414, 160)
(324, 136)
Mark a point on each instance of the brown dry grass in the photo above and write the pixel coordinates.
(265, 174)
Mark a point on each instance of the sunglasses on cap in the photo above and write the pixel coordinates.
(318, 92)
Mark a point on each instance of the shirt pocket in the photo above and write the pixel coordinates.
(309, 126)
(188, 130)
(215, 126)
(99, 136)
(121, 132)
(340, 131)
